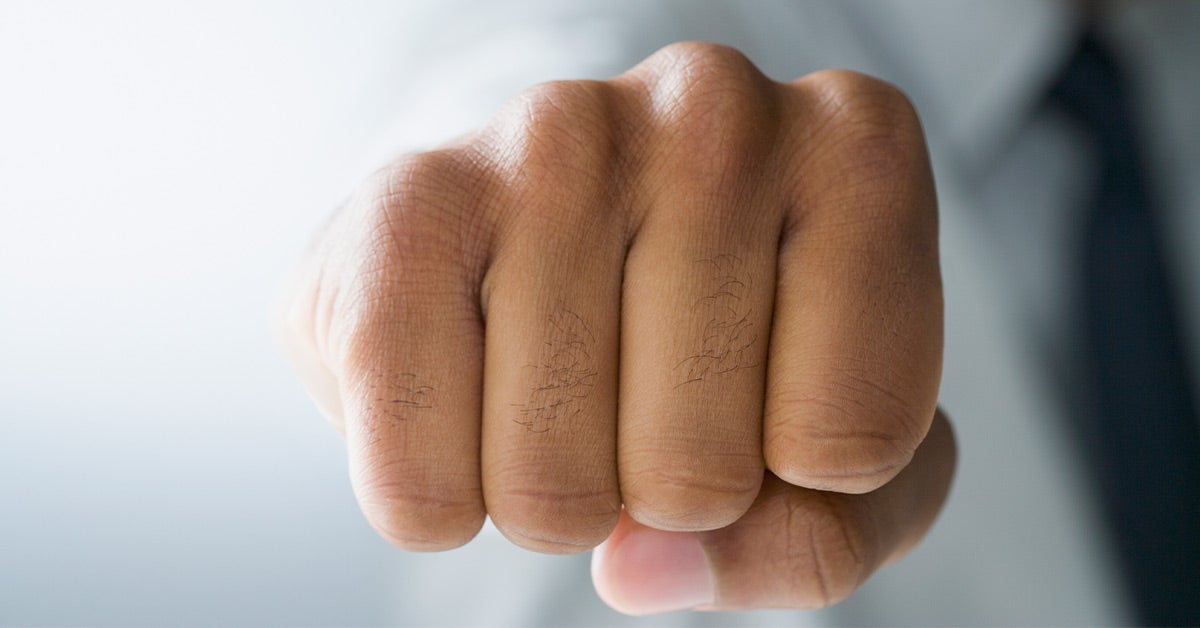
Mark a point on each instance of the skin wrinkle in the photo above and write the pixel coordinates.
(791, 550)
(851, 546)
(856, 568)
(851, 387)
(818, 567)
(856, 365)
(550, 544)
(707, 438)
(527, 509)
(601, 495)
(691, 480)
(871, 473)
(901, 412)
(399, 524)
(397, 495)
(826, 400)
(408, 541)
(829, 434)
(427, 522)
(810, 474)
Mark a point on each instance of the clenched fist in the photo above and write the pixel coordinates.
(689, 310)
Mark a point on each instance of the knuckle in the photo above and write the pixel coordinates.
(544, 512)
(563, 105)
(824, 459)
(404, 217)
(849, 434)
(702, 63)
(714, 120)
(715, 105)
(868, 125)
(417, 515)
(559, 129)
(852, 98)
(412, 203)
(556, 521)
(555, 151)
(690, 494)
(408, 232)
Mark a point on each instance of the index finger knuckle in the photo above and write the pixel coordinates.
(848, 432)
(873, 118)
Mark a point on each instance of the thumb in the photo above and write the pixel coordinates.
(794, 548)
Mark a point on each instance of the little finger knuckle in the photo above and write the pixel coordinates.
(407, 222)
(409, 235)
(417, 203)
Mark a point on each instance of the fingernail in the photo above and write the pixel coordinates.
(650, 571)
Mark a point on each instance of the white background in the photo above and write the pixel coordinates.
(159, 168)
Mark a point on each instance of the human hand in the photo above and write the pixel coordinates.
(689, 291)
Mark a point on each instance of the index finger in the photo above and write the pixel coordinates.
(856, 341)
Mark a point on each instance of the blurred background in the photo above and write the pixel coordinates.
(159, 168)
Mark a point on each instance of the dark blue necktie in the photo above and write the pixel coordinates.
(1141, 430)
